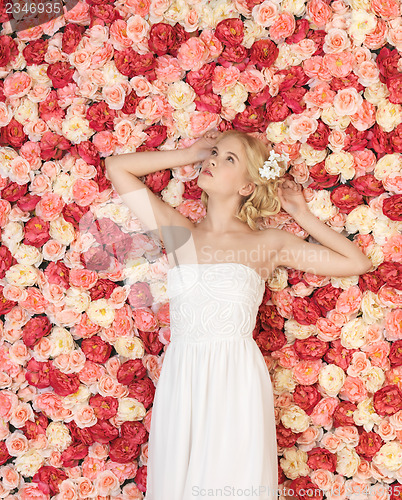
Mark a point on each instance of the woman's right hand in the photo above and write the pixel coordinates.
(202, 147)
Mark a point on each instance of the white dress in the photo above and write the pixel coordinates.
(212, 431)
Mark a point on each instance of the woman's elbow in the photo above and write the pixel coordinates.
(365, 265)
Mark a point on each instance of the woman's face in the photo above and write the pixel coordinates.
(227, 164)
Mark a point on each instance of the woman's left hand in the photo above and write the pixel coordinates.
(291, 196)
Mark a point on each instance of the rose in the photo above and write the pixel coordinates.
(60, 73)
(395, 353)
(36, 328)
(135, 431)
(104, 407)
(72, 36)
(38, 374)
(325, 298)
(387, 62)
(103, 431)
(49, 479)
(263, 53)
(236, 56)
(13, 135)
(252, 119)
(8, 49)
(311, 348)
(346, 198)
(156, 136)
(343, 414)
(319, 138)
(369, 444)
(6, 260)
(277, 110)
(368, 185)
(103, 288)
(305, 311)
(80, 435)
(392, 207)
(299, 32)
(320, 458)
(63, 384)
(208, 102)
(387, 400)
(123, 450)
(201, 80)
(73, 454)
(144, 319)
(270, 340)
(13, 191)
(391, 273)
(4, 455)
(394, 86)
(96, 349)
(230, 32)
(131, 370)
(36, 232)
(156, 181)
(143, 390)
(293, 98)
(396, 139)
(131, 63)
(306, 397)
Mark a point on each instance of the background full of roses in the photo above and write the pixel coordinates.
(83, 285)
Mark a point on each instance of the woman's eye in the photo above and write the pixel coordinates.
(213, 152)
(231, 158)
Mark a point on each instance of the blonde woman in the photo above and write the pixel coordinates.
(213, 422)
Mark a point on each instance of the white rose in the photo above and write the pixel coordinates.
(76, 129)
(29, 463)
(371, 308)
(158, 291)
(310, 155)
(177, 11)
(22, 275)
(294, 330)
(62, 231)
(361, 219)
(135, 269)
(38, 73)
(331, 378)
(78, 398)
(385, 228)
(129, 347)
(253, 32)
(279, 279)
(389, 456)
(331, 118)
(294, 463)
(27, 112)
(61, 340)
(287, 57)
(63, 186)
(12, 233)
(295, 7)
(340, 163)
(28, 255)
(181, 119)
(321, 205)
(387, 165)
(58, 435)
(295, 419)
(353, 334)
(173, 192)
(277, 132)
(373, 378)
(76, 299)
(361, 24)
(130, 409)
(365, 415)
(181, 95)
(348, 462)
(344, 282)
(235, 97)
(376, 93)
(388, 115)
(100, 312)
(117, 212)
(284, 381)
(376, 255)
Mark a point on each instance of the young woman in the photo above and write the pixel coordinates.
(213, 422)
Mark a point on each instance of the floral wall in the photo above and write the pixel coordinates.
(85, 314)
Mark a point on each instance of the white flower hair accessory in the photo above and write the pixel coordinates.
(270, 168)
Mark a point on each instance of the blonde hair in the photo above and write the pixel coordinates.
(264, 200)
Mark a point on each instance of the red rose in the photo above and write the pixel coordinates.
(87, 151)
(357, 140)
(305, 311)
(156, 181)
(72, 36)
(387, 61)
(270, 340)
(28, 202)
(4, 455)
(73, 454)
(234, 56)
(396, 139)
(152, 344)
(80, 435)
(130, 103)
(343, 414)
(49, 108)
(100, 116)
(135, 431)
(307, 397)
(32, 430)
(143, 390)
(346, 198)
(252, 119)
(300, 32)
(61, 73)
(8, 49)
(105, 407)
(320, 458)
(369, 444)
(285, 437)
(96, 259)
(103, 432)
(13, 134)
(57, 273)
(392, 207)
(191, 190)
(311, 348)
(325, 298)
(379, 140)
(63, 384)
(260, 98)
(318, 37)
(351, 80)
(181, 36)
(263, 53)
(6, 260)
(302, 486)
(391, 273)
(387, 400)
(394, 86)
(368, 185)
(294, 77)
(156, 135)
(161, 38)
(199, 79)
(321, 177)
(36, 328)
(36, 232)
(270, 318)
(123, 450)
(339, 355)
(105, 12)
(230, 32)
(144, 319)
(293, 98)
(38, 373)
(277, 110)
(209, 102)
(52, 146)
(131, 370)
(13, 191)
(49, 478)
(131, 64)
(96, 349)
(395, 353)
(319, 139)
(370, 281)
(140, 295)
(5, 305)
(102, 289)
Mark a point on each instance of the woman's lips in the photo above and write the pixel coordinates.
(207, 172)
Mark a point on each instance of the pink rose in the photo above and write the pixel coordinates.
(283, 26)
(347, 101)
(192, 54)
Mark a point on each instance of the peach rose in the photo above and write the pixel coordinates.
(11, 478)
(32, 492)
(386, 10)
(359, 364)
(21, 414)
(323, 410)
(202, 121)
(336, 40)
(347, 101)
(92, 466)
(16, 443)
(319, 12)
(283, 26)
(168, 69)
(106, 483)
(17, 84)
(349, 300)
(393, 324)
(339, 64)
(353, 390)
(224, 78)
(301, 127)
(49, 206)
(320, 95)
(306, 371)
(365, 117)
(192, 54)
(265, 13)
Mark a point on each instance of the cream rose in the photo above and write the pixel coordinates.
(135, 269)
(362, 219)
(294, 330)
(294, 463)
(331, 118)
(388, 165)
(77, 300)
(388, 115)
(277, 132)
(76, 129)
(100, 312)
(347, 462)
(331, 378)
(376, 93)
(22, 275)
(340, 163)
(310, 155)
(61, 340)
(283, 380)
(62, 231)
(373, 378)
(29, 463)
(130, 410)
(28, 255)
(181, 95)
(371, 308)
(295, 419)
(128, 347)
(361, 24)
(321, 205)
(173, 192)
(389, 456)
(63, 186)
(235, 97)
(353, 334)
(58, 436)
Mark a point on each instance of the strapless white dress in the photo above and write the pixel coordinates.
(212, 431)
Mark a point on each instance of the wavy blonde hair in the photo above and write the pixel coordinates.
(264, 200)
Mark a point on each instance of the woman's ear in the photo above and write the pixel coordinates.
(247, 189)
